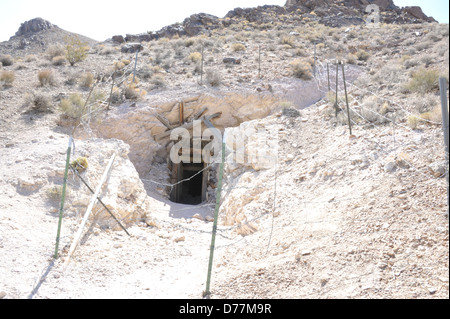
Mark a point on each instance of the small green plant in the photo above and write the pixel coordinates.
(80, 164)
(54, 193)
(76, 50)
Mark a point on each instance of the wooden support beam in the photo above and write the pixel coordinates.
(164, 121)
(187, 126)
(181, 113)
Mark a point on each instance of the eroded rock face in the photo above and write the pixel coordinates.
(123, 192)
(34, 26)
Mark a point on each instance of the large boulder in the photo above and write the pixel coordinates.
(131, 48)
(199, 23)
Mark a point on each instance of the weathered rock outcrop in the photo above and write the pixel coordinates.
(34, 26)
(329, 12)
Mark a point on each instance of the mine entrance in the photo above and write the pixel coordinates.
(191, 183)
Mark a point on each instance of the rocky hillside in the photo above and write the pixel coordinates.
(338, 216)
(294, 12)
(37, 35)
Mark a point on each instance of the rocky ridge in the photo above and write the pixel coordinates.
(294, 12)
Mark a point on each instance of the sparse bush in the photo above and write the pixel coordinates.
(7, 78)
(362, 55)
(46, 77)
(76, 50)
(38, 103)
(351, 58)
(75, 108)
(6, 60)
(131, 92)
(30, 58)
(157, 81)
(423, 81)
(301, 70)
(237, 47)
(288, 40)
(59, 60)
(189, 42)
(213, 77)
(414, 121)
(195, 56)
(118, 65)
(86, 80)
(55, 50)
(371, 110)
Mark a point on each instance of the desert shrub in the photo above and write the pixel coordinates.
(6, 60)
(288, 40)
(189, 42)
(371, 110)
(301, 69)
(76, 50)
(30, 58)
(59, 60)
(46, 77)
(213, 77)
(423, 81)
(7, 78)
(410, 62)
(362, 55)
(75, 108)
(131, 90)
(118, 65)
(55, 50)
(413, 121)
(86, 80)
(195, 56)
(351, 58)
(38, 102)
(237, 47)
(157, 81)
(424, 102)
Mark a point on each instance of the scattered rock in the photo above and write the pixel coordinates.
(438, 169)
(118, 38)
(178, 239)
(131, 48)
(389, 167)
(2, 294)
(232, 60)
(198, 216)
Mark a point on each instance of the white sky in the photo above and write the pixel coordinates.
(99, 19)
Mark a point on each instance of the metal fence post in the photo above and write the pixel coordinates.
(444, 105)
